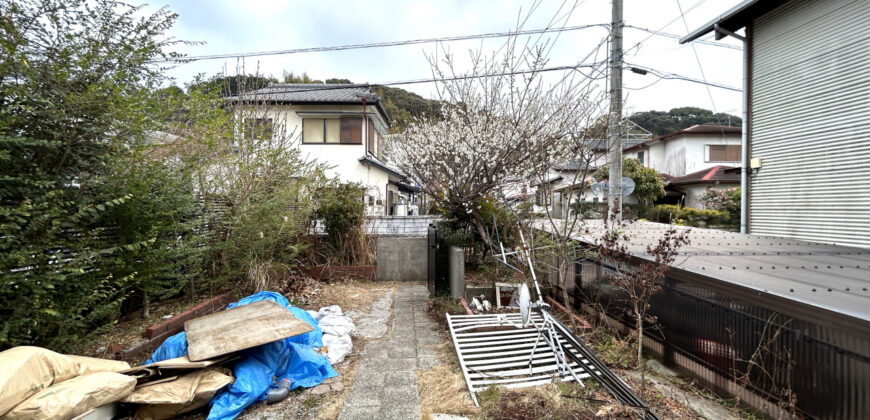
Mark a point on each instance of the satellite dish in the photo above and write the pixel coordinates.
(627, 186)
(525, 304)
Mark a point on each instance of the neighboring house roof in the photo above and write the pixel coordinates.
(734, 19)
(548, 181)
(572, 165)
(372, 161)
(600, 145)
(698, 129)
(715, 175)
(315, 93)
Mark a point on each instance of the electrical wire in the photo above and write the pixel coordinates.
(673, 76)
(378, 44)
(626, 51)
(674, 36)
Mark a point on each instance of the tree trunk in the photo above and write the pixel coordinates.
(146, 305)
(563, 283)
(640, 365)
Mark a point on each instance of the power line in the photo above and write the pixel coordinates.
(626, 51)
(674, 36)
(379, 44)
(445, 79)
(635, 68)
(698, 59)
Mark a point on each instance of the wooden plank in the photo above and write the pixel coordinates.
(240, 328)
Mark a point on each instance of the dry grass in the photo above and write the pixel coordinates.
(564, 400)
(331, 408)
(350, 294)
(442, 388)
(130, 329)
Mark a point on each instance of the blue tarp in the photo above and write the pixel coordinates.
(260, 368)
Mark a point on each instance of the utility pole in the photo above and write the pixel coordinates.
(614, 190)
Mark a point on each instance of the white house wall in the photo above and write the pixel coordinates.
(681, 155)
(694, 193)
(342, 159)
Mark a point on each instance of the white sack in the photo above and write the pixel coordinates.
(337, 325)
(338, 347)
(330, 310)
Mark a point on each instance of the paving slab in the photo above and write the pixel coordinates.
(385, 386)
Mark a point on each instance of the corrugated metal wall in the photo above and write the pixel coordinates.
(810, 122)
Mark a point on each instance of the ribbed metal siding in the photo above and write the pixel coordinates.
(810, 122)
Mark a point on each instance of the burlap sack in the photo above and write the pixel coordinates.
(187, 393)
(25, 370)
(73, 397)
(94, 365)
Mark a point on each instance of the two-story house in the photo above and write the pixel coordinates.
(694, 159)
(342, 125)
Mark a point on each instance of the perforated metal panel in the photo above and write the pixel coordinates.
(810, 122)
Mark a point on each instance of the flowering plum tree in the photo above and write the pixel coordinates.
(507, 117)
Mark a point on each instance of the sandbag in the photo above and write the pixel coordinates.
(73, 397)
(329, 310)
(338, 346)
(27, 370)
(337, 325)
(187, 393)
(94, 365)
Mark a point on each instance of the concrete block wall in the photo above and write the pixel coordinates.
(402, 258)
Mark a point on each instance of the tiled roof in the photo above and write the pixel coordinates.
(384, 166)
(697, 129)
(714, 175)
(314, 93)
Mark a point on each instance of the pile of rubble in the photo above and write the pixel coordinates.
(259, 348)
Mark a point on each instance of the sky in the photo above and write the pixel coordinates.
(223, 26)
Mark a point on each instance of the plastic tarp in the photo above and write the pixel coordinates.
(259, 368)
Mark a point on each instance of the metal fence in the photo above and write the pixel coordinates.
(825, 369)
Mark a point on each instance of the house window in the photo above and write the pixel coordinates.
(258, 128)
(332, 130)
(370, 139)
(640, 157)
(351, 130)
(723, 152)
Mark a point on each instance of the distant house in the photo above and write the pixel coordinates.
(694, 185)
(807, 97)
(689, 150)
(692, 160)
(342, 125)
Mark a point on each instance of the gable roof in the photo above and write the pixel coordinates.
(716, 175)
(697, 129)
(314, 93)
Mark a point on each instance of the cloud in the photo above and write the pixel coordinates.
(233, 26)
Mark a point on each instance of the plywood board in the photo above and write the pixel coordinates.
(240, 328)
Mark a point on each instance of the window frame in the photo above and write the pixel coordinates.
(708, 153)
(325, 131)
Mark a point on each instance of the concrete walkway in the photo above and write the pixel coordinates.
(385, 386)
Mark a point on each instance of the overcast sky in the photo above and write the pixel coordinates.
(265, 25)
